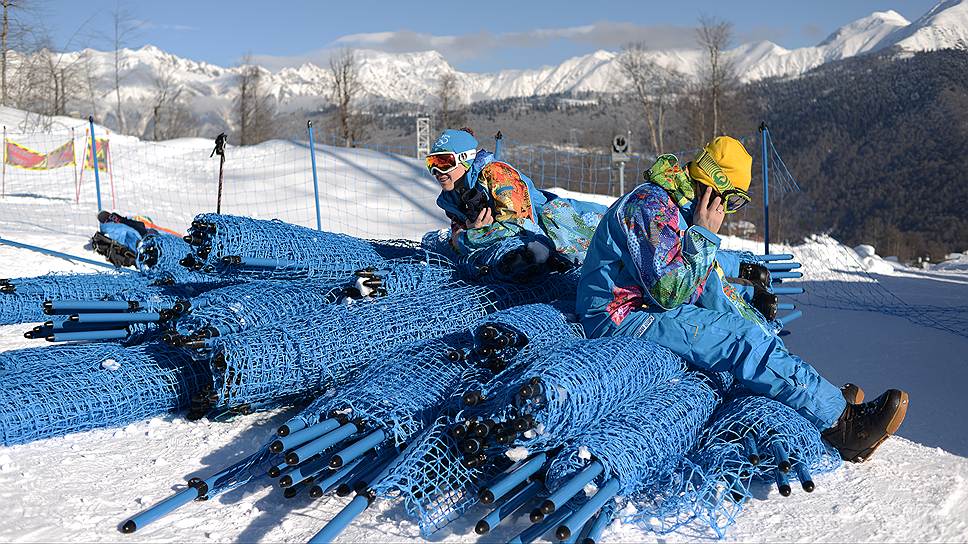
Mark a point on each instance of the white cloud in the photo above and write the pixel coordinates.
(600, 35)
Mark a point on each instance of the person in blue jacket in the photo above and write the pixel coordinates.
(654, 271)
(488, 201)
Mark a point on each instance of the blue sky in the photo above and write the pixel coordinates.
(474, 36)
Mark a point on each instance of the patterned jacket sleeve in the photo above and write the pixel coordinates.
(512, 211)
(673, 259)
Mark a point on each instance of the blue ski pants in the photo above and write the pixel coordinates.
(725, 342)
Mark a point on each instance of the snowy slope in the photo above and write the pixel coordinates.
(414, 77)
(79, 487)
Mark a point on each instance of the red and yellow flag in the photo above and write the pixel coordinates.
(17, 155)
(103, 150)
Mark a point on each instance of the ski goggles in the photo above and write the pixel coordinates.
(445, 161)
(733, 199)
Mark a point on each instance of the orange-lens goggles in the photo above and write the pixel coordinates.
(442, 162)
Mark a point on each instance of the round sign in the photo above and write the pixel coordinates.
(620, 144)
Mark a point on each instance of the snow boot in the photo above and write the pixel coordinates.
(863, 427)
(853, 394)
(117, 254)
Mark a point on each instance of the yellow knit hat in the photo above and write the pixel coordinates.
(723, 164)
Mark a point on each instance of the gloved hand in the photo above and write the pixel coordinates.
(755, 273)
(765, 302)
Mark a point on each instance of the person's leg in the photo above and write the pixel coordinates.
(724, 342)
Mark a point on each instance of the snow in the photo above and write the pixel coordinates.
(80, 487)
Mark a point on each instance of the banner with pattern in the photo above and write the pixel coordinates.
(17, 155)
(102, 155)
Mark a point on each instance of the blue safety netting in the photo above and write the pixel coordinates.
(241, 246)
(715, 480)
(22, 298)
(521, 335)
(56, 390)
(160, 256)
(255, 304)
(582, 381)
(401, 390)
(435, 487)
(642, 441)
(312, 353)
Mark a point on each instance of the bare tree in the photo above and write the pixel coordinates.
(451, 112)
(253, 108)
(718, 73)
(651, 86)
(124, 29)
(345, 88)
(170, 115)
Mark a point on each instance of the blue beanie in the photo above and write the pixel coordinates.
(457, 141)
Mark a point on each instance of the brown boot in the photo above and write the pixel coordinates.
(853, 394)
(863, 427)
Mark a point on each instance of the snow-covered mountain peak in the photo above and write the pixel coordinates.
(945, 26)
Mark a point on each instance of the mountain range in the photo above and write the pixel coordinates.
(412, 78)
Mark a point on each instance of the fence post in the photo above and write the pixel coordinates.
(764, 134)
(312, 154)
(497, 145)
(3, 191)
(97, 176)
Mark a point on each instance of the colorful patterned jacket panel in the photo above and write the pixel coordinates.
(639, 259)
(514, 203)
(673, 259)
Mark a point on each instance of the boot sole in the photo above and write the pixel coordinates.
(899, 414)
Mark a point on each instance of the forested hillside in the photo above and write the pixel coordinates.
(879, 146)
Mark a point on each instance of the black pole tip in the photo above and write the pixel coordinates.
(548, 507)
(526, 391)
(808, 486)
(336, 462)
(754, 459)
(315, 492)
(286, 480)
(588, 541)
(488, 332)
(784, 490)
(75, 318)
(292, 458)
(784, 466)
(472, 398)
(454, 356)
(274, 472)
(562, 533)
(283, 430)
(276, 447)
(129, 527)
(536, 515)
(343, 490)
(486, 496)
(291, 492)
(482, 527)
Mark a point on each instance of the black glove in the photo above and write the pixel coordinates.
(472, 202)
(755, 273)
(764, 301)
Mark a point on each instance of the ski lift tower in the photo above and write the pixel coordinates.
(423, 137)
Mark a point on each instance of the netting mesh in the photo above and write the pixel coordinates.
(274, 249)
(435, 486)
(22, 298)
(642, 441)
(312, 353)
(256, 304)
(52, 391)
(581, 382)
(713, 482)
(159, 258)
(401, 390)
